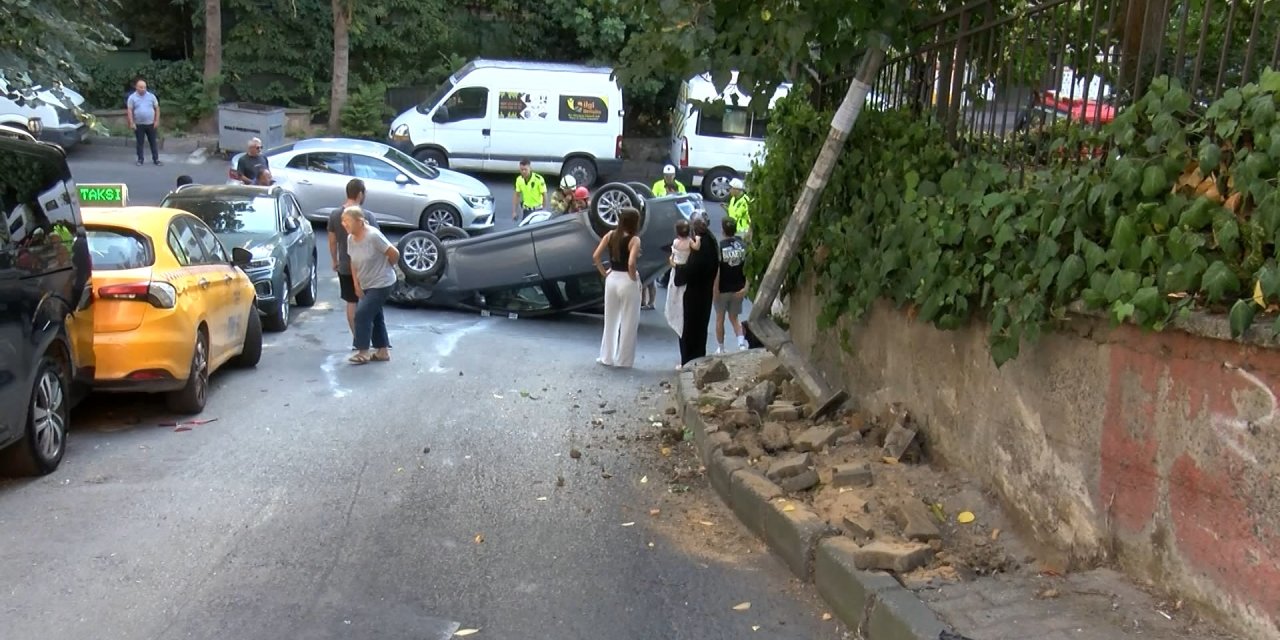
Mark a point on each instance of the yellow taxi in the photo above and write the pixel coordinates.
(171, 306)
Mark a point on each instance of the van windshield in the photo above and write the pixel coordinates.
(436, 96)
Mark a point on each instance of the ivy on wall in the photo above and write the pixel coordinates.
(1169, 207)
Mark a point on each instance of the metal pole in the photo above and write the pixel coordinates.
(802, 215)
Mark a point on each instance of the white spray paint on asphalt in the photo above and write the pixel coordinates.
(330, 369)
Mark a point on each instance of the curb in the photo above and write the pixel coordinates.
(871, 603)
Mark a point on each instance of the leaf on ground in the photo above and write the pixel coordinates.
(542, 499)
(654, 512)
(826, 616)
(706, 523)
(742, 606)
(644, 480)
(889, 460)
(479, 538)
(789, 507)
(466, 632)
(628, 524)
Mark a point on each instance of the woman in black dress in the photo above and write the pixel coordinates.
(700, 277)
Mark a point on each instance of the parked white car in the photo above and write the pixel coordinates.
(58, 122)
(490, 114)
(400, 190)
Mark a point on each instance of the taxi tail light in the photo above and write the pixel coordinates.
(160, 295)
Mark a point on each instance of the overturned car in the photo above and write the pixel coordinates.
(542, 267)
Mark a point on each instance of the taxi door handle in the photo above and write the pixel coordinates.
(204, 284)
(226, 278)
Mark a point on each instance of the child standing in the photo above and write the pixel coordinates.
(684, 244)
(731, 284)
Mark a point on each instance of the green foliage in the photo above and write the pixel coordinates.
(184, 98)
(50, 41)
(1162, 210)
(365, 113)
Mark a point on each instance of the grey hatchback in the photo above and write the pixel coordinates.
(267, 222)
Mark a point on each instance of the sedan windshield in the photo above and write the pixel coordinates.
(410, 165)
(231, 214)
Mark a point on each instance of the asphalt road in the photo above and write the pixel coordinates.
(389, 501)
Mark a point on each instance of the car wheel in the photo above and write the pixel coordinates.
(432, 158)
(715, 186)
(641, 189)
(421, 255)
(307, 297)
(449, 234)
(191, 398)
(438, 216)
(251, 351)
(44, 437)
(278, 318)
(607, 204)
(582, 170)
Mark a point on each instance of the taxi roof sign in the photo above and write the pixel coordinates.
(103, 194)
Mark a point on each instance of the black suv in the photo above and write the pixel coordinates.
(46, 321)
(267, 222)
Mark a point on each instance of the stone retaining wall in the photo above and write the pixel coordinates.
(1157, 450)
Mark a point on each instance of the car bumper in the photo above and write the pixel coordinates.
(266, 290)
(154, 357)
(65, 137)
(478, 219)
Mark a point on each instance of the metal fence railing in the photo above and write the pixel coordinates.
(998, 67)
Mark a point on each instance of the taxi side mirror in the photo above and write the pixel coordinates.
(241, 257)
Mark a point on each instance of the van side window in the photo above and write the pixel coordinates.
(471, 103)
(735, 122)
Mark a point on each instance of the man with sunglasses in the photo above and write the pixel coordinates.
(252, 163)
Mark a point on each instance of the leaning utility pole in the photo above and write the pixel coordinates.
(762, 325)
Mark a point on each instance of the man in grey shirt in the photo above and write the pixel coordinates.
(142, 110)
(338, 248)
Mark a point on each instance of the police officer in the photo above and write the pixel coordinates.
(738, 207)
(531, 192)
(668, 184)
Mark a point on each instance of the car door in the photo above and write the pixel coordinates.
(497, 260)
(393, 202)
(299, 239)
(462, 126)
(319, 179)
(196, 295)
(563, 247)
(213, 282)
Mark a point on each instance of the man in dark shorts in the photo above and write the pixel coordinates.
(731, 284)
(338, 249)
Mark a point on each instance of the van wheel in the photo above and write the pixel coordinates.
(715, 186)
(251, 350)
(421, 255)
(44, 436)
(607, 204)
(582, 170)
(191, 398)
(432, 158)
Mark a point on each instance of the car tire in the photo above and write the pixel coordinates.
(715, 186)
(608, 201)
(432, 158)
(44, 438)
(251, 351)
(191, 398)
(307, 297)
(438, 216)
(641, 189)
(279, 316)
(421, 255)
(582, 169)
(450, 234)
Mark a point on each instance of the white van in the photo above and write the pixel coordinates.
(565, 118)
(58, 122)
(711, 149)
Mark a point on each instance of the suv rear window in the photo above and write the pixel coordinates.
(118, 249)
(231, 214)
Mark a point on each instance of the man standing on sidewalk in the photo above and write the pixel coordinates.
(142, 110)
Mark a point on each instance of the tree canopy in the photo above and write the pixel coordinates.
(47, 42)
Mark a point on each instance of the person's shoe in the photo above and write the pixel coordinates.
(157, 163)
(719, 349)
(139, 163)
(742, 343)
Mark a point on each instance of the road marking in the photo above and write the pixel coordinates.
(449, 341)
(330, 368)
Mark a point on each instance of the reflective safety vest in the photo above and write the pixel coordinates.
(660, 188)
(532, 191)
(738, 211)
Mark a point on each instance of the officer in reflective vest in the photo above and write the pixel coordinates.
(531, 192)
(738, 207)
(668, 184)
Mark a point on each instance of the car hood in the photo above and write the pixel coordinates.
(461, 182)
(257, 242)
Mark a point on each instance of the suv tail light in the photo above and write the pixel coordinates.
(617, 148)
(160, 295)
(684, 152)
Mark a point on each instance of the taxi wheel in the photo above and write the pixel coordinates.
(278, 318)
(251, 351)
(307, 297)
(191, 398)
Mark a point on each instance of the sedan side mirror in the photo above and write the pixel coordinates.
(402, 179)
(241, 257)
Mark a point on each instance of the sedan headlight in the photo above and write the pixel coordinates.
(479, 202)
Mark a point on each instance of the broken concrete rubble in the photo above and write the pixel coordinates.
(740, 419)
(783, 412)
(852, 475)
(772, 369)
(807, 479)
(761, 396)
(899, 557)
(791, 465)
(709, 372)
(775, 437)
(898, 441)
(858, 526)
(815, 439)
(715, 399)
(914, 518)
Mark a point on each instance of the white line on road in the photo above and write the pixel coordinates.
(330, 368)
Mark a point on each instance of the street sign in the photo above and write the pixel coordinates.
(104, 195)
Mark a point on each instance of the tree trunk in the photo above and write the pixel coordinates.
(341, 61)
(212, 40)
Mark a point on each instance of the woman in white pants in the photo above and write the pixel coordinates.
(621, 290)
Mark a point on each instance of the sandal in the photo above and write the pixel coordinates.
(359, 358)
(380, 358)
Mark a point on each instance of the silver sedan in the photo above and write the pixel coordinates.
(403, 191)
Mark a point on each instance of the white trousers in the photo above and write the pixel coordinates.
(621, 319)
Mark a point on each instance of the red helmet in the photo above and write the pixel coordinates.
(581, 193)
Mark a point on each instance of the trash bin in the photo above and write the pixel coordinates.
(238, 122)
